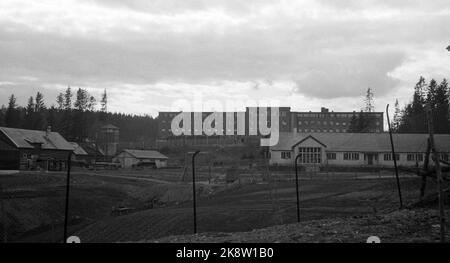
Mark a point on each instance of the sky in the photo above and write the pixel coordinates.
(148, 55)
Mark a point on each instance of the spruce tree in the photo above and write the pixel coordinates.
(369, 102)
(29, 114)
(12, 115)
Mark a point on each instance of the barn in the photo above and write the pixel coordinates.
(354, 149)
(22, 149)
(141, 158)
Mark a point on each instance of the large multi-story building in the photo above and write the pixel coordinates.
(324, 121)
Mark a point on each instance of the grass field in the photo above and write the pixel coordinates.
(34, 204)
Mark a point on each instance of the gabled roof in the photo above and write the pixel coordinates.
(22, 138)
(366, 142)
(146, 154)
(91, 149)
(78, 150)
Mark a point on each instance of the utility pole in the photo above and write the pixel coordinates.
(194, 192)
(438, 173)
(296, 187)
(394, 158)
(66, 212)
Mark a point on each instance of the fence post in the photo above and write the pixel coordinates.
(438, 173)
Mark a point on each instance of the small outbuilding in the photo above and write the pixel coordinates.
(141, 158)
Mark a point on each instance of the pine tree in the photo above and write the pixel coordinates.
(68, 99)
(397, 117)
(12, 115)
(441, 108)
(60, 101)
(369, 101)
(39, 108)
(104, 102)
(29, 114)
(40, 105)
(91, 103)
(414, 115)
(66, 123)
(2, 115)
(82, 99)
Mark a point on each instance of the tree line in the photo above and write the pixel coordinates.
(74, 115)
(413, 117)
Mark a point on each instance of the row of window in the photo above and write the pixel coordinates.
(313, 155)
(333, 115)
(318, 122)
(320, 130)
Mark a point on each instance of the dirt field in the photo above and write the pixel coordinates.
(258, 206)
(161, 205)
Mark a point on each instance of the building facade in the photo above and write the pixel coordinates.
(354, 149)
(141, 158)
(33, 149)
(289, 121)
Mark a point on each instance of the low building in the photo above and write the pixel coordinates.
(33, 150)
(141, 158)
(354, 149)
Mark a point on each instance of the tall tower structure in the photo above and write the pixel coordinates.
(108, 140)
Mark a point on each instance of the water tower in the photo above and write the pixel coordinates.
(108, 140)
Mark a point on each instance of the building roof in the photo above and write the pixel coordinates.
(365, 142)
(26, 138)
(146, 154)
(78, 150)
(91, 149)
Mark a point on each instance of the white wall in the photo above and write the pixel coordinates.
(275, 158)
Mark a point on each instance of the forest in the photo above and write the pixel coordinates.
(74, 115)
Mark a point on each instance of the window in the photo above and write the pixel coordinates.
(331, 156)
(410, 157)
(419, 157)
(285, 155)
(344, 123)
(444, 157)
(351, 156)
(310, 154)
(388, 157)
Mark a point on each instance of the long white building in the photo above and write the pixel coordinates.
(354, 149)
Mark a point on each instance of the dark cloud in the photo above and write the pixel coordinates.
(327, 56)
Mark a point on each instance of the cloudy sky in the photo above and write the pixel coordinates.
(148, 54)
